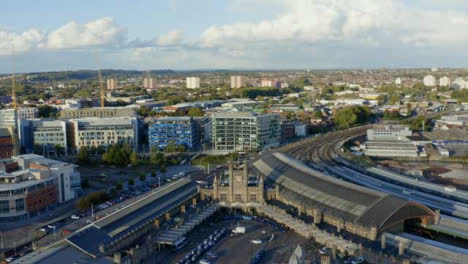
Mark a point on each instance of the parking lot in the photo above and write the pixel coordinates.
(276, 244)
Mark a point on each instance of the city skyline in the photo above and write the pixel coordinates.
(235, 34)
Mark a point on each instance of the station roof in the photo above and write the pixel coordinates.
(119, 223)
(310, 188)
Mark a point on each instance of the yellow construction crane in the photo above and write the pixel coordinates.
(103, 92)
(13, 92)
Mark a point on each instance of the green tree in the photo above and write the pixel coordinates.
(134, 159)
(153, 174)
(47, 111)
(196, 111)
(131, 181)
(119, 185)
(142, 177)
(83, 155)
(352, 115)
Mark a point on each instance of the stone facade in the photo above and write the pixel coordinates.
(238, 191)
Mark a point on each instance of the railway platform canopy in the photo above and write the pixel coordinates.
(357, 209)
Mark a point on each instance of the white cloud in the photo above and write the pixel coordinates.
(19, 43)
(101, 32)
(169, 39)
(360, 21)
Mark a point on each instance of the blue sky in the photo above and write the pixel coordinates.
(208, 34)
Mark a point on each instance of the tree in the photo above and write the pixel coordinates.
(134, 159)
(318, 114)
(119, 185)
(83, 155)
(118, 155)
(153, 174)
(142, 177)
(352, 115)
(196, 111)
(131, 181)
(47, 111)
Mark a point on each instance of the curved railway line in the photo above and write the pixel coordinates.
(324, 153)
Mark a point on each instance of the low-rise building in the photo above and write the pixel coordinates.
(36, 186)
(392, 148)
(389, 133)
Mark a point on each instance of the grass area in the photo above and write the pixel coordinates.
(214, 160)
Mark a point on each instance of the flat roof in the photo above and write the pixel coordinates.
(119, 223)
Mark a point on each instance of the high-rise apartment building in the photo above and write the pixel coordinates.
(193, 82)
(444, 82)
(245, 131)
(104, 132)
(149, 83)
(237, 82)
(429, 80)
(175, 130)
(459, 83)
(266, 83)
(398, 81)
(112, 84)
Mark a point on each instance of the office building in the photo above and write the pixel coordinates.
(193, 82)
(245, 131)
(27, 112)
(444, 82)
(175, 130)
(149, 83)
(43, 132)
(429, 80)
(389, 133)
(112, 84)
(104, 132)
(101, 112)
(8, 118)
(35, 185)
(6, 143)
(237, 82)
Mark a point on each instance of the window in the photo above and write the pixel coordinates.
(4, 206)
(19, 205)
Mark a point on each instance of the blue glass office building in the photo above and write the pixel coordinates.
(180, 130)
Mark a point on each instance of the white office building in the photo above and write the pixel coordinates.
(27, 112)
(237, 82)
(193, 82)
(429, 80)
(389, 133)
(105, 132)
(444, 82)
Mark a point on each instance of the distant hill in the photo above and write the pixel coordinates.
(90, 74)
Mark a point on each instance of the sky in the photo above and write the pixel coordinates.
(52, 35)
